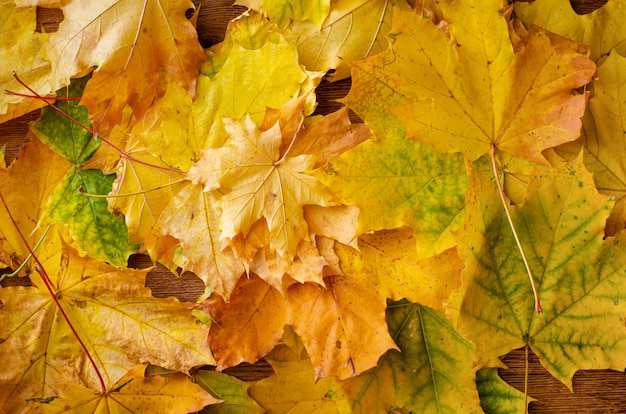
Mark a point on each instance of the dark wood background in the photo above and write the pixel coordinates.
(601, 391)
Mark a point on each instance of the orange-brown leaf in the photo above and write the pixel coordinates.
(130, 42)
(250, 325)
(343, 327)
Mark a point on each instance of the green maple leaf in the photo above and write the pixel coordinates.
(63, 134)
(405, 183)
(432, 373)
(232, 391)
(579, 275)
(91, 224)
(498, 397)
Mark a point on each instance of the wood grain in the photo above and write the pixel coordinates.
(601, 391)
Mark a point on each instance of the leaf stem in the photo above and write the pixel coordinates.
(47, 98)
(48, 283)
(293, 139)
(30, 255)
(96, 136)
(519, 244)
(86, 194)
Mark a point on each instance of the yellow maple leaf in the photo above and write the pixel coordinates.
(192, 216)
(388, 262)
(354, 29)
(466, 87)
(283, 12)
(603, 29)
(130, 42)
(258, 181)
(115, 316)
(141, 192)
(26, 186)
(293, 387)
(255, 67)
(135, 392)
(23, 52)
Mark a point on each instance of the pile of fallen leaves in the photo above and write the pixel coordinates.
(383, 266)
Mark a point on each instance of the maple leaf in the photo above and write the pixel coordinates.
(258, 181)
(601, 29)
(255, 67)
(22, 52)
(64, 134)
(496, 396)
(336, 222)
(193, 217)
(232, 391)
(307, 266)
(388, 262)
(250, 325)
(167, 131)
(91, 225)
(432, 373)
(603, 136)
(117, 319)
(354, 29)
(406, 183)
(293, 387)
(129, 53)
(516, 97)
(25, 187)
(342, 326)
(141, 193)
(327, 137)
(133, 393)
(578, 274)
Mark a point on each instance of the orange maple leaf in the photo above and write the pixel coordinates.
(343, 327)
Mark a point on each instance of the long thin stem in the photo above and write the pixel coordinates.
(95, 134)
(508, 216)
(48, 283)
(86, 194)
(47, 98)
(30, 255)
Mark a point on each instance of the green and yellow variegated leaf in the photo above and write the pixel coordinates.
(578, 273)
(433, 373)
(231, 391)
(498, 397)
(94, 228)
(405, 183)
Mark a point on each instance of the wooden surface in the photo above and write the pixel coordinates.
(595, 391)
